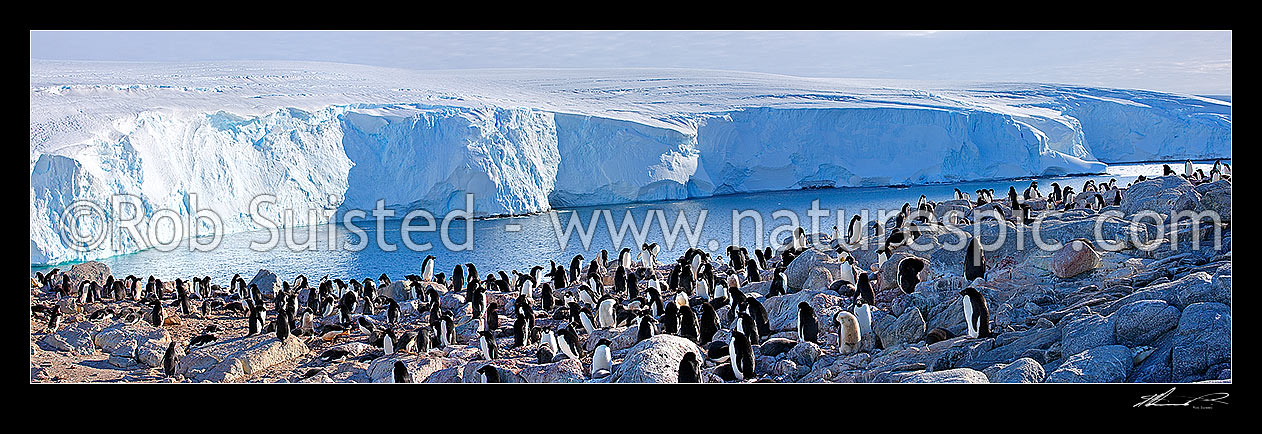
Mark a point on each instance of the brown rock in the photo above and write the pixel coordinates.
(1074, 258)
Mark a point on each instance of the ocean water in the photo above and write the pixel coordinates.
(525, 241)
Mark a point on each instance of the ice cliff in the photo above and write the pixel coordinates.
(333, 138)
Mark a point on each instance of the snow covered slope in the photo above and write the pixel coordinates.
(331, 137)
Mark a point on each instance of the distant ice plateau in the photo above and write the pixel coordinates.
(338, 137)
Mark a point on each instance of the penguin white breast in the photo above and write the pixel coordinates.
(968, 316)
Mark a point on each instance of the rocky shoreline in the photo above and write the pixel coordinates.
(1109, 311)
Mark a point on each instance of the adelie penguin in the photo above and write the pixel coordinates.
(486, 342)
(489, 374)
(427, 268)
(602, 359)
(709, 323)
(568, 344)
(170, 360)
(688, 325)
(807, 324)
(647, 328)
(848, 333)
(909, 273)
(741, 355)
(974, 261)
(689, 368)
(976, 314)
(401, 373)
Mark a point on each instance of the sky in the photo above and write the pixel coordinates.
(1196, 62)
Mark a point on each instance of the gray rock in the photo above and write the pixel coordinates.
(1103, 364)
(1023, 370)
(1216, 197)
(132, 336)
(509, 370)
(269, 284)
(958, 375)
(782, 310)
(1160, 195)
(907, 329)
(90, 271)
(1203, 339)
(620, 338)
(1082, 332)
(799, 270)
(654, 360)
(804, 353)
(233, 359)
(564, 371)
(1141, 322)
(381, 370)
(1200, 287)
(75, 338)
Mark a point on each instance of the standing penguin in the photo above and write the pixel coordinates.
(974, 261)
(777, 284)
(808, 326)
(602, 360)
(457, 277)
(688, 325)
(848, 334)
(709, 324)
(282, 325)
(427, 268)
(446, 330)
(568, 344)
(170, 360)
(486, 342)
(759, 313)
(689, 368)
(864, 286)
(156, 315)
(976, 314)
(401, 373)
(54, 318)
(741, 355)
(647, 328)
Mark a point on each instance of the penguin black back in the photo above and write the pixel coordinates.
(974, 261)
(689, 369)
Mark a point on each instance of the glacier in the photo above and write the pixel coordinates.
(324, 139)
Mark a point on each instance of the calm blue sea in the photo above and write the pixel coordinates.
(497, 246)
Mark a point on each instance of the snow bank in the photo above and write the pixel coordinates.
(327, 138)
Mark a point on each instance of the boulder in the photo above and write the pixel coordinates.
(1074, 258)
(818, 278)
(381, 370)
(957, 375)
(90, 271)
(269, 284)
(76, 338)
(1200, 287)
(1202, 340)
(1161, 195)
(654, 360)
(564, 371)
(804, 353)
(1216, 197)
(1143, 321)
(233, 359)
(1023, 370)
(619, 338)
(1103, 364)
(800, 269)
(907, 329)
(508, 370)
(782, 310)
(1080, 332)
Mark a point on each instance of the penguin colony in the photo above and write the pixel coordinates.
(552, 310)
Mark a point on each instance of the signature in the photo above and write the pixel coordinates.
(1203, 401)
